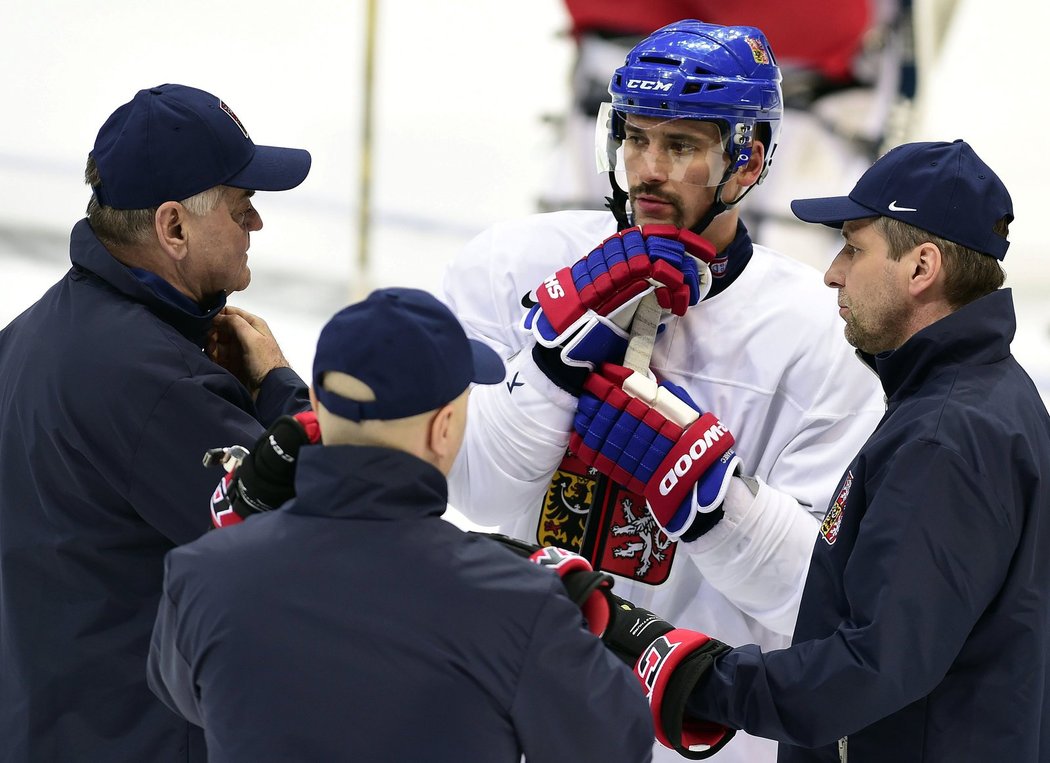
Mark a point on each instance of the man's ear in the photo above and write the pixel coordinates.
(927, 268)
(439, 433)
(169, 225)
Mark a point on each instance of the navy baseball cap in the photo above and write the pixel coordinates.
(171, 142)
(408, 347)
(942, 188)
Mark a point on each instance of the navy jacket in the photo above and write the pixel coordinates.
(924, 629)
(355, 624)
(107, 404)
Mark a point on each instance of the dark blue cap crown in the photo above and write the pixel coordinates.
(408, 347)
(171, 142)
(942, 188)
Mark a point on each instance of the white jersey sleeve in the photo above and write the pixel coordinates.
(517, 431)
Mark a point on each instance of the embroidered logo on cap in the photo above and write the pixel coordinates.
(895, 208)
(233, 116)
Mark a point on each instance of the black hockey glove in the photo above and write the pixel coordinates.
(588, 589)
(668, 662)
(263, 478)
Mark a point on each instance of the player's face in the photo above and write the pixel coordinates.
(672, 167)
(220, 241)
(872, 289)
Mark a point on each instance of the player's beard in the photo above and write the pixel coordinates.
(644, 189)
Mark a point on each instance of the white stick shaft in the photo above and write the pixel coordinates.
(643, 334)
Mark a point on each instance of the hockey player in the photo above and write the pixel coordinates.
(354, 623)
(692, 128)
(923, 630)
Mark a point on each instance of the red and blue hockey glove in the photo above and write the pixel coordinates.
(652, 439)
(588, 589)
(668, 662)
(263, 478)
(585, 310)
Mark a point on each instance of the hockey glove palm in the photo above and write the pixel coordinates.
(653, 439)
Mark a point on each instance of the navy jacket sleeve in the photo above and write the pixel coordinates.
(167, 483)
(281, 392)
(932, 550)
(604, 714)
(168, 673)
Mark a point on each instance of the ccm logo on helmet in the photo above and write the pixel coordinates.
(696, 451)
(648, 84)
(554, 289)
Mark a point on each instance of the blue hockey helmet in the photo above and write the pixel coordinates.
(721, 74)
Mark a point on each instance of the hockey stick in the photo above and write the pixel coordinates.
(644, 326)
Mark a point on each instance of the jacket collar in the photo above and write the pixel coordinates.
(349, 481)
(87, 253)
(975, 334)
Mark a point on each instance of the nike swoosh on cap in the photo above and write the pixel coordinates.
(895, 208)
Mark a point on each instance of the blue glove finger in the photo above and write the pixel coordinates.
(637, 448)
(594, 434)
(633, 242)
(673, 252)
(691, 272)
(613, 253)
(581, 274)
(621, 433)
(650, 461)
(586, 408)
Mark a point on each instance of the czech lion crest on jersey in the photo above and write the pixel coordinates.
(585, 512)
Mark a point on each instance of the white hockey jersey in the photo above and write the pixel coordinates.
(766, 355)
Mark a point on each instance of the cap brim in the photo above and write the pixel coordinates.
(830, 210)
(488, 367)
(273, 169)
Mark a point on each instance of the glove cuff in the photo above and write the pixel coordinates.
(668, 670)
(568, 378)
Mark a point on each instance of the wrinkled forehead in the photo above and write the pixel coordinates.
(693, 128)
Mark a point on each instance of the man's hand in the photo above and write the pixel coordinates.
(243, 344)
(653, 439)
(584, 312)
(263, 478)
(668, 662)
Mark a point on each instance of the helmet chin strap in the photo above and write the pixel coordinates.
(617, 203)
